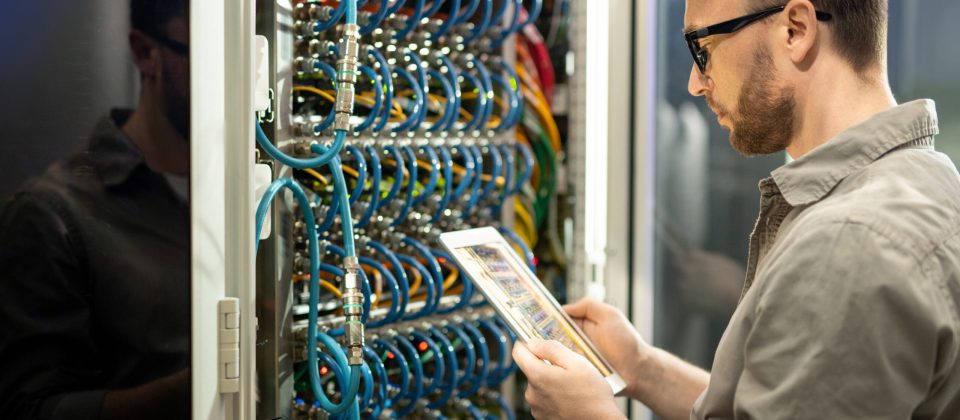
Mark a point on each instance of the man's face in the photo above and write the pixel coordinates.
(741, 82)
(175, 80)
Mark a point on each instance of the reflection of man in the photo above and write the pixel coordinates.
(850, 306)
(95, 287)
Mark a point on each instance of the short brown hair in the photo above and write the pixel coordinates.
(859, 27)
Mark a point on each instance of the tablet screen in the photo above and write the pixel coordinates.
(521, 299)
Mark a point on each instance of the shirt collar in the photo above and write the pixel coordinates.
(113, 154)
(810, 178)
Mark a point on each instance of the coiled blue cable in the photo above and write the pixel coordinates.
(399, 275)
(504, 407)
(434, 8)
(413, 119)
(501, 338)
(439, 367)
(376, 19)
(455, 84)
(475, 189)
(470, 353)
(346, 221)
(412, 21)
(434, 178)
(451, 369)
(428, 285)
(404, 370)
(467, 12)
(480, 343)
(449, 22)
(411, 158)
(387, 77)
(449, 107)
(417, 370)
(393, 315)
(348, 400)
(497, 163)
(480, 104)
(528, 163)
(337, 372)
(467, 287)
(432, 265)
(397, 4)
(483, 25)
(510, 119)
(469, 166)
(397, 174)
(501, 10)
(361, 173)
(446, 164)
(508, 167)
(342, 8)
(364, 286)
(534, 13)
(380, 371)
(376, 173)
(376, 110)
(421, 80)
(488, 87)
(511, 367)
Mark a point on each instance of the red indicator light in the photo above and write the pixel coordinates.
(536, 261)
(390, 355)
(324, 370)
(422, 346)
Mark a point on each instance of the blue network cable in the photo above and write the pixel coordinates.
(470, 353)
(411, 158)
(449, 22)
(397, 174)
(446, 164)
(504, 407)
(386, 74)
(393, 315)
(501, 338)
(364, 286)
(419, 105)
(428, 285)
(434, 178)
(421, 80)
(400, 275)
(528, 163)
(342, 8)
(404, 370)
(511, 366)
(488, 87)
(412, 21)
(497, 163)
(455, 84)
(469, 164)
(467, 12)
(465, 295)
(480, 103)
(434, 8)
(361, 173)
(439, 367)
(448, 111)
(376, 174)
(449, 357)
(510, 119)
(475, 189)
(377, 101)
(380, 371)
(484, 24)
(376, 19)
(480, 343)
(432, 265)
(417, 370)
(506, 153)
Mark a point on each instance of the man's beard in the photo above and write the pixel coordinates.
(177, 105)
(766, 120)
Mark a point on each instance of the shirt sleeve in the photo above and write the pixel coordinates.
(843, 329)
(47, 347)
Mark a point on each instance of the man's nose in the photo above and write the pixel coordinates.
(698, 83)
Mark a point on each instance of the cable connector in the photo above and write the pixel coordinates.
(353, 310)
(348, 67)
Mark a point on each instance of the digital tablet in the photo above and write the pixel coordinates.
(518, 296)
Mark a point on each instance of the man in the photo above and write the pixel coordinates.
(850, 305)
(95, 286)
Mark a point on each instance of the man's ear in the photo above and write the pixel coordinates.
(146, 54)
(800, 31)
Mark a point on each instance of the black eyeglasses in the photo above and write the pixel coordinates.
(176, 46)
(700, 55)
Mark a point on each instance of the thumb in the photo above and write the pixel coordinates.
(583, 308)
(554, 352)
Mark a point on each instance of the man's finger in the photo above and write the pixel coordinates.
(554, 352)
(529, 363)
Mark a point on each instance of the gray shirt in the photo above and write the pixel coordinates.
(849, 310)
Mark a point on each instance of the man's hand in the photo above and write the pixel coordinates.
(567, 388)
(616, 339)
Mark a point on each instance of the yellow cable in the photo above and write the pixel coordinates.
(535, 97)
(323, 283)
(452, 277)
(317, 175)
(350, 171)
(417, 278)
(378, 279)
(525, 219)
(325, 94)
